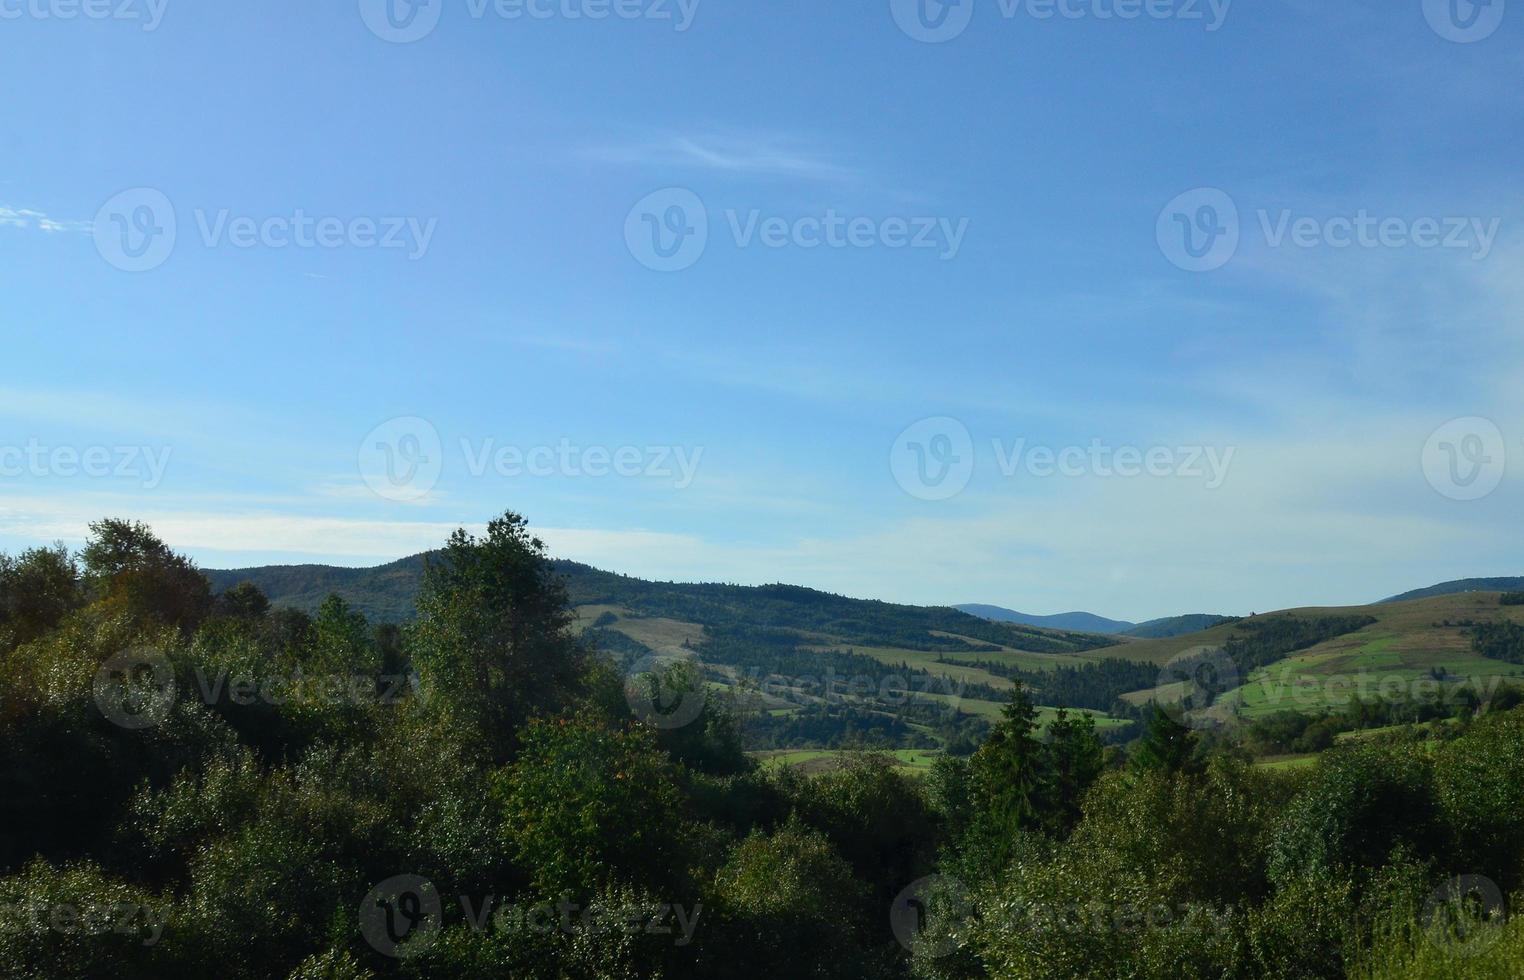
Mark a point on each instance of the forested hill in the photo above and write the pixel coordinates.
(1507, 584)
(387, 593)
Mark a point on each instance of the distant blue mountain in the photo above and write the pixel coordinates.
(1154, 629)
(1080, 621)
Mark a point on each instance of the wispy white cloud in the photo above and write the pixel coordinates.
(734, 153)
(27, 219)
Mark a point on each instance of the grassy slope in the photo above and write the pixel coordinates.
(1404, 645)
(667, 636)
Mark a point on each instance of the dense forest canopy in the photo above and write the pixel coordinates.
(198, 783)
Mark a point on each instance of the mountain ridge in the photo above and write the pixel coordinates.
(1513, 583)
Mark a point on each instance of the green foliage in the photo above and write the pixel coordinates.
(620, 934)
(76, 923)
(38, 588)
(1479, 788)
(583, 807)
(491, 639)
(1075, 761)
(342, 642)
(1006, 777)
(1502, 640)
(1365, 803)
(514, 777)
(878, 819)
(1479, 948)
(245, 600)
(1094, 685)
(126, 566)
(1261, 642)
(1166, 746)
(710, 741)
(789, 906)
(333, 964)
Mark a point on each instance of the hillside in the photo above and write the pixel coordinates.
(811, 669)
(937, 674)
(1398, 645)
(1508, 584)
(1157, 629)
(385, 593)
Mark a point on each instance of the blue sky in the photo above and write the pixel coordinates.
(1014, 189)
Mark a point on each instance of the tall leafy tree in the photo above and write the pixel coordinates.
(492, 640)
(245, 600)
(126, 565)
(342, 640)
(37, 589)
